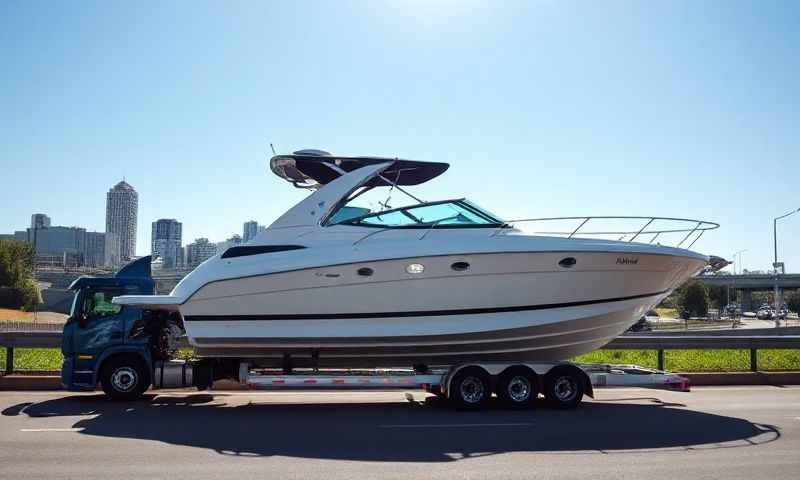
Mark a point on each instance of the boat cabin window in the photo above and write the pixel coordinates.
(448, 213)
(348, 213)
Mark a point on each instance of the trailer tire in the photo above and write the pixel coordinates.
(564, 387)
(517, 387)
(470, 388)
(124, 377)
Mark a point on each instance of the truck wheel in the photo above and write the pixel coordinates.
(470, 388)
(124, 378)
(563, 387)
(517, 387)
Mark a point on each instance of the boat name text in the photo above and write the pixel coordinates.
(627, 261)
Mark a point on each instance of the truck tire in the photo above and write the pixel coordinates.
(470, 388)
(564, 387)
(517, 387)
(124, 377)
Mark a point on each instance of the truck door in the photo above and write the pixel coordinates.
(100, 323)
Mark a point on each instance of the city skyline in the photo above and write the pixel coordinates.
(166, 240)
(76, 245)
(250, 226)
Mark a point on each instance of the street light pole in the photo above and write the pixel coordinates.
(775, 263)
(735, 264)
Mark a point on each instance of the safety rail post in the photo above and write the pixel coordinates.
(753, 360)
(660, 359)
(641, 229)
(9, 360)
(579, 227)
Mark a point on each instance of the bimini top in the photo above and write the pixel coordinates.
(314, 168)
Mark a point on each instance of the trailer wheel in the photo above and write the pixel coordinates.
(470, 388)
(124, 377)
(564, 387)
(517, 387)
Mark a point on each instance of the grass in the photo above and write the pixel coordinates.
(698, 360)
(49, 359)
(34, 359)
(667, 312)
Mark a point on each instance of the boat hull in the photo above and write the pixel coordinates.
(504, 307)
(550, 334)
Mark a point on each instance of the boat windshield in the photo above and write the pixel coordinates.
(446, 213)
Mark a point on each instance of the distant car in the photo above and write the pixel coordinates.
(765, 312)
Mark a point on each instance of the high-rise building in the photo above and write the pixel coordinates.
(166, 242)
(122, 205)
(250, 231)
(66, 243)
(199, 251)
(40, 220)
(101, 250)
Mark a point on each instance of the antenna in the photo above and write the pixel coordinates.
(273, 149)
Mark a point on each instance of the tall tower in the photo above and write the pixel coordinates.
(40, 220)
(166, 242)
(249, 231)
(122, 206)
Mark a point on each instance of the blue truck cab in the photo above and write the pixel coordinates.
(114, 345)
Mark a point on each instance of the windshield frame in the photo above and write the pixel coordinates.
(492, 222)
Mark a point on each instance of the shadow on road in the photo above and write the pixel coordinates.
(406, 432)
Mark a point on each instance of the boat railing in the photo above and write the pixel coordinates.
(621, 228)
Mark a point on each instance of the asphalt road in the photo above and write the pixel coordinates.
(712, 432)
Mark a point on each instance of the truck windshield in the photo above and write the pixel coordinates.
(97, 302)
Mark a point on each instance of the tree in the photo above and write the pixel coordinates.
(793, 300)
(717, 294)
(16, 271)
(16, 262)
(695, 299)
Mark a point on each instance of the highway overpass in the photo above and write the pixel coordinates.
(746, 284)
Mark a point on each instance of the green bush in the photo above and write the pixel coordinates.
(27, 293)
(793, 300)
(16, 262)
(16, 271)
(695, 299)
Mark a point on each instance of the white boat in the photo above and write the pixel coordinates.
(433, 283)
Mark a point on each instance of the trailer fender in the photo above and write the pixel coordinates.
(587, 385)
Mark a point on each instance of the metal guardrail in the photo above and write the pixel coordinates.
(757, 340)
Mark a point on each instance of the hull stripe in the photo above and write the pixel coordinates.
(419, 313)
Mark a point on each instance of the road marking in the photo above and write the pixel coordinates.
(458, 425)
(78, 429)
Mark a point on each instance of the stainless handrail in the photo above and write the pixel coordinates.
(697, 228)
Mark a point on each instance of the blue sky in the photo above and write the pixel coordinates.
(543, 108)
